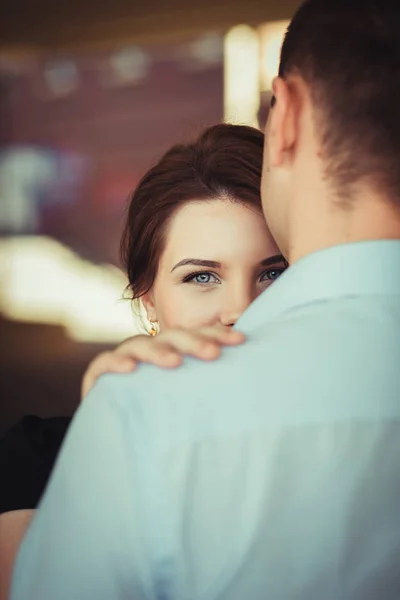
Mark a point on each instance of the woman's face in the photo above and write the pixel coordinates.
(219, 256)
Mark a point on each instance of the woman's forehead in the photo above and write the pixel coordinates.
(216, 228)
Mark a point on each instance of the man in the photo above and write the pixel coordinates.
(274, 472)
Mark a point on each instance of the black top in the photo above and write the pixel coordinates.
(27, 455)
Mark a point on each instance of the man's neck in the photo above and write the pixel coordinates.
(368, 218)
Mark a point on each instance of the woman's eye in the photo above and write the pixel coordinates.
(271, 274)
(205, 278)
(202, 278)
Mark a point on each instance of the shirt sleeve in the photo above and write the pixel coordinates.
(88, 538)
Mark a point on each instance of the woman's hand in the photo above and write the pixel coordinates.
(165, 350)
(13, 526)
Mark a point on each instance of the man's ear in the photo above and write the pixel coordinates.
(281, 129)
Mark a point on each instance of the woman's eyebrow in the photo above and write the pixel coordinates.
(272, 260)
(197, 262)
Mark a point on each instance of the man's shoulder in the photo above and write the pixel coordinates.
(333, 328)
(313, 362)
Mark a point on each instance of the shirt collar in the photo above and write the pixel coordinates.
(361, 268)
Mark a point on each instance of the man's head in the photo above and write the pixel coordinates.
(333, 136)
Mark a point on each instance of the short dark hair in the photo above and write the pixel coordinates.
(225, 162)
(348, 52)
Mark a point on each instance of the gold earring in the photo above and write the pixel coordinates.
(153, 330)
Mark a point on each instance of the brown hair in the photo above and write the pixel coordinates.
(225, 162)
(348, 51)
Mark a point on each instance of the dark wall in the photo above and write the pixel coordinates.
(40, 371)
(121, 130)
(96, 22)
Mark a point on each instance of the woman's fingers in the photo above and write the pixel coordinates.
(166, 350)
(204, 344)
(107, 362)
(155, 350)
(226, 336)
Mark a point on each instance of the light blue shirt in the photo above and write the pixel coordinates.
(271, 474)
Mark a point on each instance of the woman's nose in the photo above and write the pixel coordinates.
(235, 307)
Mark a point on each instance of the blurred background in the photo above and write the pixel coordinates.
(91, 94)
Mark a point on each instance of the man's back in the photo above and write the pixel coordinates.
(272, 473)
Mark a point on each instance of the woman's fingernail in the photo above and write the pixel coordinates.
(210, 350)
(236, 335)
(172, 357)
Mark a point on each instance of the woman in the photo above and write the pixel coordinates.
(196, 248)
(197, 252)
